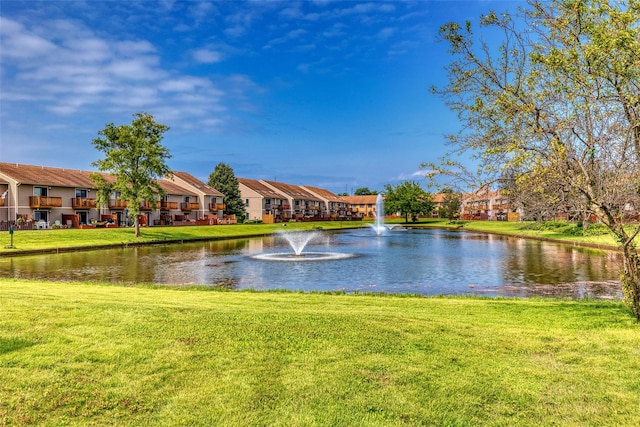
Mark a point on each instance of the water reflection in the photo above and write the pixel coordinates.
(402, 261)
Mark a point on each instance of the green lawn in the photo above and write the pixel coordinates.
(30, 240)
(78, 354)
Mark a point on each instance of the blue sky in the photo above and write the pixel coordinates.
(333, 94)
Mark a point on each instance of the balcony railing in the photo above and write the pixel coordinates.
(285, 207)
(43, 202)
(1, 201)
(146, 206)
(213, 207)
(118, 204)
(188, 207)
(83, 203)
(167, 206)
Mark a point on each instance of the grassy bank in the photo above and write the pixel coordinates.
(552, 230)
(34, 240)
(76, 354)
(38, 240)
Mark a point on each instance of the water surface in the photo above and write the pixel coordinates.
(427, 262)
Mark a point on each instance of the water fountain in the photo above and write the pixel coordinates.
(298, 240)
(378, 225)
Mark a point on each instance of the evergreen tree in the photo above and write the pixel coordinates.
(224, 180)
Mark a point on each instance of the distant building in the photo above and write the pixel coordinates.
(273, 201)
(363, 207)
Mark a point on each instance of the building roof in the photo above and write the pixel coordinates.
(362, 200)
(171, 187)
(438, 198)
(261, 189)
(42, 175)
(293, 191)
(59, 177)
(326, 194)
(199, 185)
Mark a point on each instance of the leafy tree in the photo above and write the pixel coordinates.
(451, 204)
(136, 158)
(558, 103)
(224, 180)
(407, 198)
(364, 191)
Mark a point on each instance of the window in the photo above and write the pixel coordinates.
(246, 202)
(82, 193)
(40, 216)
(40, 191)
(187, 199)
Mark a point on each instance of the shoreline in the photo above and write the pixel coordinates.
(182, 240)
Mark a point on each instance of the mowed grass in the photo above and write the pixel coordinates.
(35, 240)
(78, 354)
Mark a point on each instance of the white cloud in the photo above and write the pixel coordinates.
(385, 33)
(412, 176)
(74, 69)
(206, 56)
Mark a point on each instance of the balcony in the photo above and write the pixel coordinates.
(118, 204)
(83, 203)
(188, 207)
(1, 201)
(214, 207)
(168, 206)
(146, 206)
(42, 202)
(285, 207)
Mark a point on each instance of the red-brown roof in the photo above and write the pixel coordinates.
(58, 177)
(293, 191)
(201, 186)
(261, 189)
(438, 198)
(362, 200)
(326, 194)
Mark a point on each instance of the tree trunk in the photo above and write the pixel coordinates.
(631, 278)
(630, 274)
(136, 224)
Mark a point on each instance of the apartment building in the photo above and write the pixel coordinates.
(272, 201)
(363, 207)
(338, 208)
(263, 202)
(67, 197)
(485, 204)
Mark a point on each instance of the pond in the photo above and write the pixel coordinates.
(426, 262)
